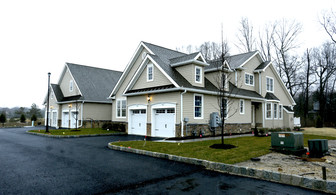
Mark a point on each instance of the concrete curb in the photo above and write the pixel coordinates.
(74, 136)
(294, 180)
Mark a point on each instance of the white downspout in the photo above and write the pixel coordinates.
(82, 113)
(182, 121)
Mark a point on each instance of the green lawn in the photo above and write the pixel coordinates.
(246, 148)
(88, 131)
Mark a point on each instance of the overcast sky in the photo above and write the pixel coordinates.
(39, 36)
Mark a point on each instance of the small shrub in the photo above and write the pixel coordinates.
(107, 126)
(262, 131)
(23, 118)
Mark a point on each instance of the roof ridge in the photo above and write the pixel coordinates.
(244, 53)
(87, 66)
(164, 48)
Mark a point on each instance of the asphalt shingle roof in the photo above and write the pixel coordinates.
(271, 96)
(94, 83)
(183, 58)
(263, 65)
(233, 90)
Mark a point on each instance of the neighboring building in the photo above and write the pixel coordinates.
(166, 93)
(81, 94)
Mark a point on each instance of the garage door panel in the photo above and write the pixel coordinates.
(164, 122)
(138, 122)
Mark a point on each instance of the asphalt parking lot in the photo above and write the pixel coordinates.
(32, 164)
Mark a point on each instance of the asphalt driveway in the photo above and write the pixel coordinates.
(39, 165)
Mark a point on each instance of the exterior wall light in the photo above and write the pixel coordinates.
(149, 98)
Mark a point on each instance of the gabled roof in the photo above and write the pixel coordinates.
(94, 83)
(58, 92)
(240, 60)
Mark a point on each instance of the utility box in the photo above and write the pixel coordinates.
(214, 120)
(317, 147)
(287, 142)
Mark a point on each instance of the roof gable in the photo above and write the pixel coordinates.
(94, 83)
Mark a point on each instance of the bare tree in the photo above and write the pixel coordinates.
(285, 41)
(246, 39)
(324, 62)
(328, 21)
(265, 42)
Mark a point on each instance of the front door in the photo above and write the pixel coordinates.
(65, 119)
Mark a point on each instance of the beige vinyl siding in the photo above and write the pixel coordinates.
(96, 111)
(249, 68)
(124, 85)
(188, 72)
(213, 77)
(64, 84)
(172, 97)
(159, 79)
(234, 115)
(279, 91)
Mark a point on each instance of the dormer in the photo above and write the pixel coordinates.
(191, 67)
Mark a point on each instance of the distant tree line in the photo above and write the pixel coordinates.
(309, 76)
(21, 113)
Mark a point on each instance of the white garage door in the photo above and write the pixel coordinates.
(164, 122)
(65, 119)
(138, 122)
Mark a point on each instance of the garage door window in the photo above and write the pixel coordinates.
(143, 111)
(171, 110)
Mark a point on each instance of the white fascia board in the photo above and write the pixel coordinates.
(263, 70)
(163, 72)
(200, 55)
(282, 84)
(136, 75)
(193, 61)
(256, 53)
(142, 67)
(62, 73)
(129, 66)
(74, 81)
(290, 112)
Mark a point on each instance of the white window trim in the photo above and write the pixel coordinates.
(71, 86)
(249, 79)
(272, 91)
(266, 110)
(202, 108)
(148, 67)
(200, 81)
(240, 111)
(120, 100)
(277, 111)
(280, 111)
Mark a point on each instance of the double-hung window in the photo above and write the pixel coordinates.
(121, 108)
(249, 79)
(269, 84)
(198, 106)
(198, 74)
(280, 111)
(150, 72)
(241, 106)
(275, 111)
(268, 110)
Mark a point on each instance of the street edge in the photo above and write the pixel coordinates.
(73, 136)
(294, 180)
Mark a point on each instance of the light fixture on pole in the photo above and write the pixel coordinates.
(47, 126)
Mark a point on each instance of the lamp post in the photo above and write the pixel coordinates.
(47, 127)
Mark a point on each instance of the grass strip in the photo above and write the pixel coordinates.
(246, 148)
